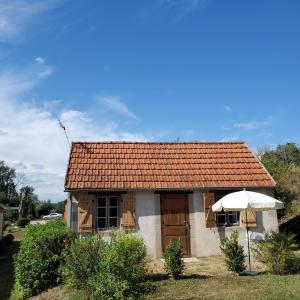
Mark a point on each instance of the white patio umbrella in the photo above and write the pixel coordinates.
(246, 201)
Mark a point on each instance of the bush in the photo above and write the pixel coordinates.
(234, 253)
(40, 255)
(8, 239)
(10, 215)
(276, 251)
(123, 269)
(82, 260)
(173, 259)
(23, 222)
(113, 270)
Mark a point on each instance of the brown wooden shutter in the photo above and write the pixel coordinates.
(210, 216)
(128, 211)
(251, 218)
(85, 213)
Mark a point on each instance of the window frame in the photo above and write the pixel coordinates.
(226, 214)
(108, 216)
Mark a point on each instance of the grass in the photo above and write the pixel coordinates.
(207, 279)
(229, 287)
(225, 287)
(6, 264)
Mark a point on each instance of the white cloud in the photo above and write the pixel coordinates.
(31, 139)
(116, 104)
(183, 7)
(230, 139)
(253, 125)
(40, 60)
(46, 72)
(17, 15)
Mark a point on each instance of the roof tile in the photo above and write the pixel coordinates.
(137, 165)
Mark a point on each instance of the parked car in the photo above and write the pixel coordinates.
(53, 216)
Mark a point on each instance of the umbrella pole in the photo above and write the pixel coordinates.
(247, 228)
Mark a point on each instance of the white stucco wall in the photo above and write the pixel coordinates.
(149, 221)
(205, 241)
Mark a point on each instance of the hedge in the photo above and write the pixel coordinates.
(40, 256)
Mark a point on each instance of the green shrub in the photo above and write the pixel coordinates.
(234, 253)
(8, 239)
(114, 270)
(173, 259)
(276, 251)
(40, 255)
(23, 222)
(10, 215)
(123, 269)
(83, 260)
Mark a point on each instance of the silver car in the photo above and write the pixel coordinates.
(53, 216)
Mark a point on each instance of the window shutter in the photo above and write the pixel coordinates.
(85, 213)
(128, 211)
(210, 216)
(251, 218)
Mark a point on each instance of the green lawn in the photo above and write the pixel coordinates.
(229, 287)
(201, 287)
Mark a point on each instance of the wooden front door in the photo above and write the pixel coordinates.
(175, 221)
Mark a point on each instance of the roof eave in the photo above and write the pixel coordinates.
(172, 189)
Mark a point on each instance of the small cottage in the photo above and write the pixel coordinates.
(165, 191)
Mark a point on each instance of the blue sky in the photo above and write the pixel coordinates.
(160, 70)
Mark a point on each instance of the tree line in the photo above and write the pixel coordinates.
(14, 193)
(283, 163)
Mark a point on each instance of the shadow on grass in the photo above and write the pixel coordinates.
(161, 277)
(7, 270)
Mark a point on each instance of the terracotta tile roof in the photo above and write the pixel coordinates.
(141, 165)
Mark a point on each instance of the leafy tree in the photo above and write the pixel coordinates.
(59, 207)
(28, 201)
(283, 163)
(8, 192)
(46, 207)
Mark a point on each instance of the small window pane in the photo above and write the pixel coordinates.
(221, 219)
(102, 202)
(230, 219)
(113, 212)
(113, 222)
(113, 201)
(102, 212)
(101, 223)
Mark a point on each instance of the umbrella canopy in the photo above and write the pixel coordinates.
(243, 200)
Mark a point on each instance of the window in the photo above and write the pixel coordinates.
(107, 212)
(228, 218)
